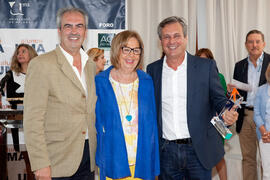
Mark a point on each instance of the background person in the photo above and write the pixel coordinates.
(250, 70)
(15, 77)
(207, 53)
(98, 56)
(127, 146)
(59, 105)
(262, 121)
(221, 165)
(14, 83)
(187, 88)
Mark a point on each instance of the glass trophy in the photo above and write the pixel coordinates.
(218, 121)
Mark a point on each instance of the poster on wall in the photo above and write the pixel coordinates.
(33, 22)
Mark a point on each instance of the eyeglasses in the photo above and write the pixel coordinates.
(127, 50)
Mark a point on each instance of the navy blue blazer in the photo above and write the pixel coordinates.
(204, 95)
(241, 74)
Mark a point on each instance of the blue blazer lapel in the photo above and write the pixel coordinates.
(157, 79)
(191, 82)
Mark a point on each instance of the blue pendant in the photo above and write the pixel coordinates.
(128, 118)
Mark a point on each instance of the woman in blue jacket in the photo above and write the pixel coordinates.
(262, 121)
(127, 140)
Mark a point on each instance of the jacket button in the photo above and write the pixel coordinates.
(83, 132)
(83, 96)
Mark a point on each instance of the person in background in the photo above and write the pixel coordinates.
(14, 79)
(262, 121)
(206, 53)
(98, 57)
(127, 139)
(14, 85)
(59, 105)
(250, 70)
(187, 89)
(221, 165)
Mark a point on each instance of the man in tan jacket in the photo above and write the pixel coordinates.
(59, 105)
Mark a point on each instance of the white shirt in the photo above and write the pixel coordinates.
(254, 79)
(127, 100)
(84, 59)
(174, 101)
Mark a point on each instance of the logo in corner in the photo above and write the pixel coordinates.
(16, 8)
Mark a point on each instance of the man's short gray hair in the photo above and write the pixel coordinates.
(62, 11)
(171, 20)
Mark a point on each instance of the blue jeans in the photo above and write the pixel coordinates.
(179, 162)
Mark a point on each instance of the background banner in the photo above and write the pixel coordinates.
(41, 14)
(33, 22)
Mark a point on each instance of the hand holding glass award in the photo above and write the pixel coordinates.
(218, 121)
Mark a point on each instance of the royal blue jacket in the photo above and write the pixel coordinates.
(111, 154)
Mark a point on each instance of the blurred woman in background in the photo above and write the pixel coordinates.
(14, 85)
(98, 57)
(206, 53)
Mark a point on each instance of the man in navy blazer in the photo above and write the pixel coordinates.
(187, 92)
(250, 70)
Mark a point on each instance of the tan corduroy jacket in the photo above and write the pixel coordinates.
(57, 113)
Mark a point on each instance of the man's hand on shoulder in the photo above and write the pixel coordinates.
(43, 173)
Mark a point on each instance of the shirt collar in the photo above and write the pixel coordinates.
(84, 57)
(259, 61)
(184, 63)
